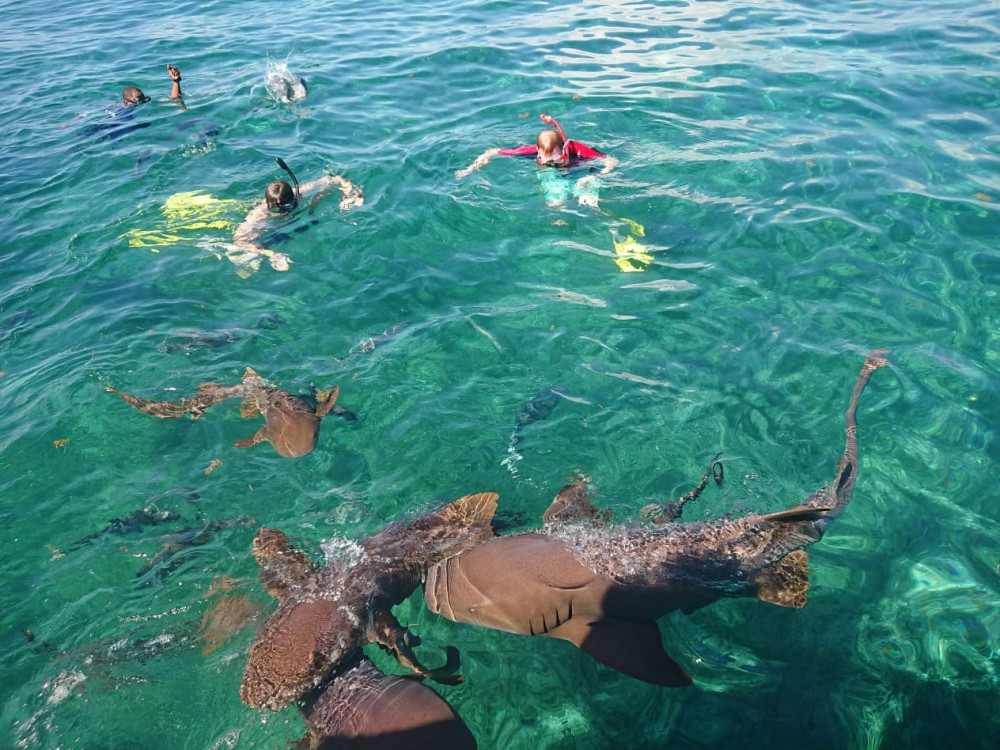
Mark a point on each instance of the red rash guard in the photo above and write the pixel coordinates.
(574, 149)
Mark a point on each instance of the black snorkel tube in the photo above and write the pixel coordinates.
(281, 163)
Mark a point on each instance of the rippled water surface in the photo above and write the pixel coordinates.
(799, 185)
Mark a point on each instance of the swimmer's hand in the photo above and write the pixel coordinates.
(481, 161)
(353, 196)
(175, 87)
(352, 199)
(279, 261)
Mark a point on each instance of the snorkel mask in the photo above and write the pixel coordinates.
(554, 160)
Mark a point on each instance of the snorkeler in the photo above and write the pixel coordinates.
(119, 120)
(553, 149)
(132, 95)
(281, 198)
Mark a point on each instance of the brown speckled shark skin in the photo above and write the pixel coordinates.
(327, 615)
(291, 424)
(603, 587)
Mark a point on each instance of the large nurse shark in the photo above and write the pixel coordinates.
(603, 587)
(291, 424)
(327, 614)
(361, 707)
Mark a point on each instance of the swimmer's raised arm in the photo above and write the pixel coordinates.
(352, 194)
(175, 77)
(481, 161)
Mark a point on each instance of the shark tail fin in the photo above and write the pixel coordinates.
(161, 409)
(785, 581)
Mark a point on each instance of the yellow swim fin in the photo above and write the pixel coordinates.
(186, 214)
(631, 255)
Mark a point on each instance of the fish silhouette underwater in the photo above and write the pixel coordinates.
(603, 587)
(132, 523)
(327, 614)
(291, 424)
(539, 407)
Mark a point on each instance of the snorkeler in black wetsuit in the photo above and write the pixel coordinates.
(120, 120)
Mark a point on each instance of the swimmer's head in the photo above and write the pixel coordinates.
(132, 95)
(279, 195)
(551, 151)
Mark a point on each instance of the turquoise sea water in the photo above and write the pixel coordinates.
(812, 184)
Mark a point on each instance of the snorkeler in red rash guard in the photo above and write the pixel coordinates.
(552, 149)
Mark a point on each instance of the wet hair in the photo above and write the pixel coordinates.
(549, 140)
(279, 193)
(133, 95)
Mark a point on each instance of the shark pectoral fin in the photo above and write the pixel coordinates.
(258, 437)
(385, 630)
(327, 401)
(785, 582)
(633, 647)
(249, 409)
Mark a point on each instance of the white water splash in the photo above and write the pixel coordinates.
(282, 85)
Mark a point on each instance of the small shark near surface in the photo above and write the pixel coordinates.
(538, 408)
(188, 340)
(327, 614)
(291, 424)
(163, 562)
(370, 343)
(603, 587)
(133, 522)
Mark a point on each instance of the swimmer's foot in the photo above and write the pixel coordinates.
(279, 261)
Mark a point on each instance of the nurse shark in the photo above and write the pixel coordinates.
(291, 424)
(327, 614)
(603, 587)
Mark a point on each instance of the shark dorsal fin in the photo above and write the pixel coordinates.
(473, 510)
(572, 503)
